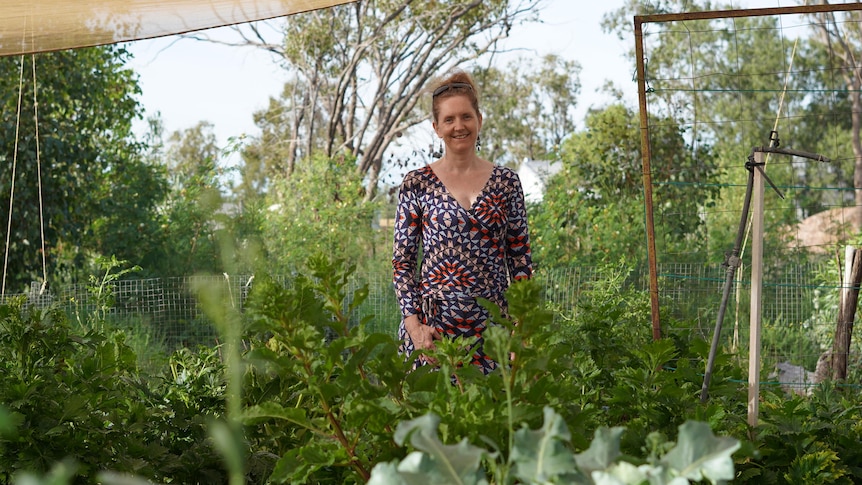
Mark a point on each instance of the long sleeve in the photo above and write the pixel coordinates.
(518, 256)
(408, 234)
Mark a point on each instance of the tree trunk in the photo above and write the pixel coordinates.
(846, 316)
(856, 120)
(835, 35)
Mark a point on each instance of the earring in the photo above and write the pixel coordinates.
(479, 143)
(437, 151)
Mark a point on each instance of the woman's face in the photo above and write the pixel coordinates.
(458, 124)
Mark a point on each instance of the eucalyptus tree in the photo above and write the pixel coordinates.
(724, 76)
(325, 213)
(839, 36)
(197, 215)
(592, 210)
(824, 125)
(80, 178)
(528, 110)
(358, 73)
(194, 211)
(192, 156)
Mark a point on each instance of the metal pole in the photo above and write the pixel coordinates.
(755, 165)
(732, 263)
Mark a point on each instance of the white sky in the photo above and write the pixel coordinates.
(188, 81)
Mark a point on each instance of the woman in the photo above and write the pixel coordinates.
(468, 217)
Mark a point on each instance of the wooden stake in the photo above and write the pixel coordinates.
(757, 207)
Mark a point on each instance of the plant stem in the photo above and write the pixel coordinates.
(339, 432)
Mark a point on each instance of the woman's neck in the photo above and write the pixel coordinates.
(461, 163)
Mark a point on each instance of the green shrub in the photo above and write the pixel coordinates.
(299, 391)
(71, 396)
(80, 399)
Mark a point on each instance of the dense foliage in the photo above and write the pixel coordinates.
(320, 209)
(297, 394)
(593, 209)
(527, 109)
(76, 395)
(80, 179)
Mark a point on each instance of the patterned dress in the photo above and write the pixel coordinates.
(465, 254)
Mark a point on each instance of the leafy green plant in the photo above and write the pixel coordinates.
(321, 392)
(320, 208)
(299, 391)
(146, 340)
(543, 456)
(77, 403)
(611, 318)
(814, 439)
(101, 291)
(316, 400)
(182, 402)
(68, 394)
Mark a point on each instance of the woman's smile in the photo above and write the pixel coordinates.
(458, 123)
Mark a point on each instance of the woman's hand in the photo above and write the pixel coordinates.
(423, 336)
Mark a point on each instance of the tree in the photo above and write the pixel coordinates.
(320, 210)
(528, 110)
(194, 211)
(192, 156)
(592, 210)
(359, 72)
(77, 168)
(822, 126)
(840, 35)
(725, 80)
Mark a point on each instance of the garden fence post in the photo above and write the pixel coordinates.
(757, 207)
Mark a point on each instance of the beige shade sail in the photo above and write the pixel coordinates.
(28, 26)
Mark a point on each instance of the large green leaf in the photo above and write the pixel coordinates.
(422, 469)
(539, 456)
(700, 455)
(603, 451)
(621, 473)
(386, 473)
(437, 463)
(272, 410)
(230, 443)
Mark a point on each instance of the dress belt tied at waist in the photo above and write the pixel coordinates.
(430, 302)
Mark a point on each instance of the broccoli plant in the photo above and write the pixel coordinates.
(543, 456)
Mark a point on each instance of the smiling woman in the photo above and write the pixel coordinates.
(50, 25)
(468, 216)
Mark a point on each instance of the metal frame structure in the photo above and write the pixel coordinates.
(646, 155)
(755, 191)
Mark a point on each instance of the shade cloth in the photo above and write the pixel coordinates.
(28, 26)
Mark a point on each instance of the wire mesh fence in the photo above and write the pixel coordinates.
(799, 314)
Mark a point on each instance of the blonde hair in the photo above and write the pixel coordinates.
(454, 77)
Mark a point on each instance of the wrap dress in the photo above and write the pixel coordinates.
(446, 256)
